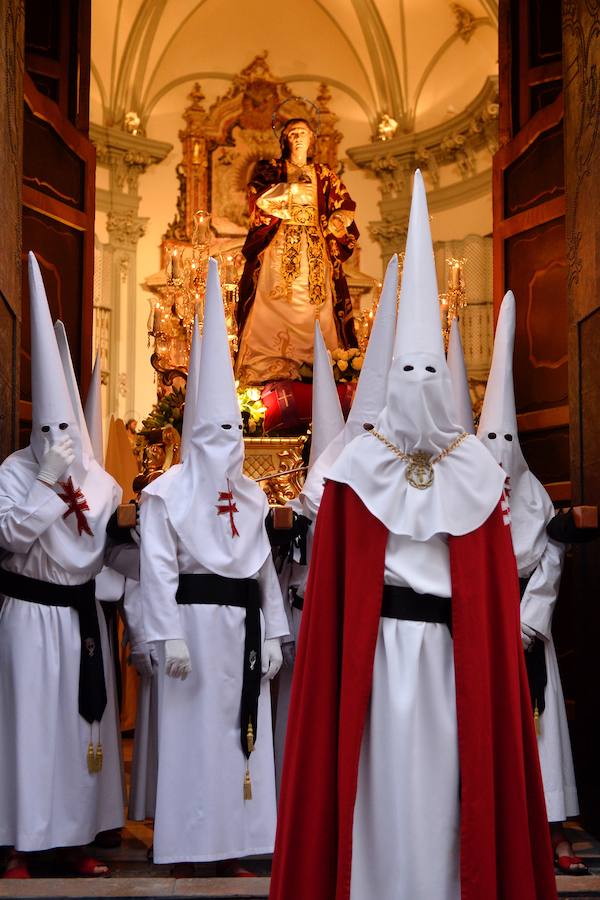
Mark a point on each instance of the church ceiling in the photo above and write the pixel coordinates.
(419, 61)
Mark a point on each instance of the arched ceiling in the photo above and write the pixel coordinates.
(420, 61)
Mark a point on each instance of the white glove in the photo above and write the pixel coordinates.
(272, 658)
(288, 651)
(177, 659)
(143, 658)
(528, 636)
(56, 460)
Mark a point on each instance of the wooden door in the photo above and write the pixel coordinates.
(58, 178)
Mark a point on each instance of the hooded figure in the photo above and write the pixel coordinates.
(410, 626)
(458, 377)
(212, 603)
(142, 794)
(539, 562)
(59, 761)
(369, 398)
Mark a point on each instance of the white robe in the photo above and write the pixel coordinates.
(200, 811)
(554, 745)
(406, 815)
(144, 764)
(47, 796)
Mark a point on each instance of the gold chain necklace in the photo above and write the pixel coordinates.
(419, 472)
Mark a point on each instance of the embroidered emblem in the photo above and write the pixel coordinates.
(90, 646)
(230, 508)
(505, 507)
(419, 472)
(77, 504)
(252, 660)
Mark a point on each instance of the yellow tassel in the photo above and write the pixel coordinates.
(250, 737)
(99, 758)
(247, 785)
(91, 762)
(537, 721)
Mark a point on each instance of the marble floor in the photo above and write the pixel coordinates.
(133, 875)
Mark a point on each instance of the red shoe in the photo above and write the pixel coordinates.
(566, 864)
(19, 871)
(87, 867)
(232, 868)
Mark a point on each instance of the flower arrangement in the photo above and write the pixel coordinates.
(166, 411)
(346, 364)
(252, 409)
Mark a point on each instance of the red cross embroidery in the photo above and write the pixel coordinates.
(77, 503)
(230, 508)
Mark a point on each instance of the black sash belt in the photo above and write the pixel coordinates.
(298, 602)
(81, 597)
(535, 660)
(404, 603)
(242, 592)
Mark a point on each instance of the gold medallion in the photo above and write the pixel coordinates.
(419, 471)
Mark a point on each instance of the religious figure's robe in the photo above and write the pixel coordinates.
(48, 798)
(341, 689)
(293, 272)
(537, 607)
(201, 814)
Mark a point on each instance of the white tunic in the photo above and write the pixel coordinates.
(201, 814)
(47, 796)
(406, 816)
(554, 745)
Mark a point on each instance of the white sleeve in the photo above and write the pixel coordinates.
(22, 522)
(133, 609)
(123, 558)
(539, 599)
(271, 601)
(159, 572)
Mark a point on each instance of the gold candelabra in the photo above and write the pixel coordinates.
(455, 298)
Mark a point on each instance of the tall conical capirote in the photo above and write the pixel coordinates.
(418, 326)
(530, 506)
(369, 398)
(51, 401)
(217, 396)
(191, 390)
(93, 412)
(327, 416)
(460, 382)
(462, 484)
(499, 411)
(73, 388)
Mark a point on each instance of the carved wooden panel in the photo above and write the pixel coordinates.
(537, 175)
(535, 270)
(57, 54)
(11, 146)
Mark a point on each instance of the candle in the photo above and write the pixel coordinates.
(174, 264)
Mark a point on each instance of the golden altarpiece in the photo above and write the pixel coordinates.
(220, 147)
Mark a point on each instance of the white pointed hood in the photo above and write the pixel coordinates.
(419, 417)
(52, 405)
(460, 382)
(327, 416)
(218, 513)
(530, 506)
(54, 395)
(191, 390)
(81, 465)
(369, 398)
(93, 412)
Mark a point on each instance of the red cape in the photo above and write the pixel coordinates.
(505, 842)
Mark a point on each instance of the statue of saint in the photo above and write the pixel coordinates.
(301, 231)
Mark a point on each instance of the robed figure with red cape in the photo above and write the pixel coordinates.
(411, 767)
(301, 231)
